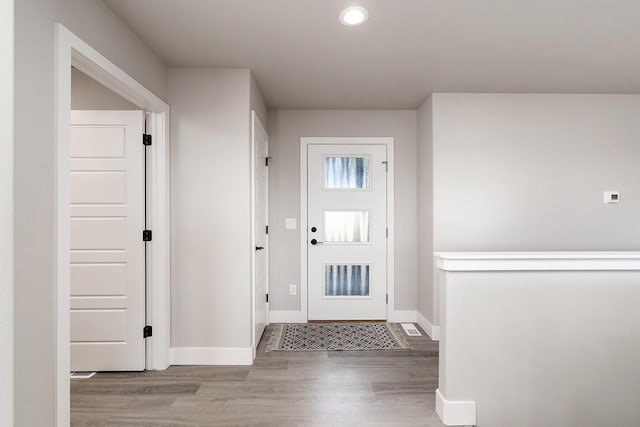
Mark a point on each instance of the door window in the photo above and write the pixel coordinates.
(346, 173)
(346, 280)
(346, 226)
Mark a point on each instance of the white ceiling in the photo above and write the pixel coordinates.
(302, 57)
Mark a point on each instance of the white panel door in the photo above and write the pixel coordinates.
(346, 232)
(107, 251)
(260, 237)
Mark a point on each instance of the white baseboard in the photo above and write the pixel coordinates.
(455, 412)
(401, 316)
(212, 356)
(286, 316)
(293, 316)
(431, 330)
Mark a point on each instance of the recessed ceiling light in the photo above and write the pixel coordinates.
(353, 16)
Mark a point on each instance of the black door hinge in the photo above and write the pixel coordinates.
(267, 297)
(266, 161)
(266, 229)
(387, 298)
(146, 139)
(146, 235)
(147, 331)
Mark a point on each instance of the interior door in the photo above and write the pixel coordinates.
(346, 233)
(107, 251)
(260, 233)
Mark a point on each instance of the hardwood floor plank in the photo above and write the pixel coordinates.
(390, 388)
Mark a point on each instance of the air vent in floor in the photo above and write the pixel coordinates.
(81, 375)
(411, 330)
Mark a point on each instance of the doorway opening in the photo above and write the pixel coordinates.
(71, 51)
(347, 229)
(260, 229)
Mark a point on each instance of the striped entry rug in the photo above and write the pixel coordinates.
(336, 337)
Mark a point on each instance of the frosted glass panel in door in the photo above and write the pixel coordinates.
(346, 226)
(346, 280)
(346, 173)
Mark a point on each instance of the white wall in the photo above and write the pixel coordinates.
(34, 169)
(256, 101)
(543, 348)
(210, 207)
(426, 295)
(527, 172)
(6, 212)
(286, 127)
(88, 94)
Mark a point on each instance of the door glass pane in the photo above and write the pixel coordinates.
(346, 226)
(346, 280)
(346, 172)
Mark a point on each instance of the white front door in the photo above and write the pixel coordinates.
(346, 232)
(107, 251)
(260, 233)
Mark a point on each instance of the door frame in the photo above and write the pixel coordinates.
(256, 119)
(304, 247)
(73, 51)
(6, 211)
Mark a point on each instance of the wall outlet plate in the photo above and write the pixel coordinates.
(293, 289)
(611, 197)
(290, 223)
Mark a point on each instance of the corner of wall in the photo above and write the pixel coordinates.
(425, 213)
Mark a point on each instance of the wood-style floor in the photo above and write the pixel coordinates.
(340, 388)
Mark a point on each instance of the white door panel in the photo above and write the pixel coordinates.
(107, 252)
(98, 233)
(103, 142)
(346, 235)
(260, 215)
(98, 187)
(98, 325)
(94, 280)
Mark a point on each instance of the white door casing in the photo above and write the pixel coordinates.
(346, 231)
(107, 252)
(260, 207)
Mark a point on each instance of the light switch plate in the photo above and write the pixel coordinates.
(290, 223)
(293, 289)
(611, 197)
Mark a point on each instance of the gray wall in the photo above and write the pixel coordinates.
(34, 164)
(286, 127)
(210, 206)
(527, 172)
(88, 94)
(426, 295)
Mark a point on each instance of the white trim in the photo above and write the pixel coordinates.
(402, 316)
(302, 230)
(256, 119)
(455, 412)
(6, 214)
(384, 140)
(212, 356)
(286, 316)
(432, 330)
(537, 261)
(71, 50)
